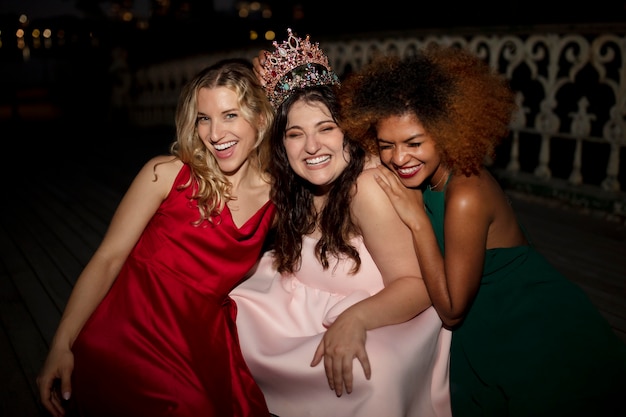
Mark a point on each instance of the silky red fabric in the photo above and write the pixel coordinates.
(163, 342)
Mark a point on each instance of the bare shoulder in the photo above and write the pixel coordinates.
(370, 171)
(475, 192)
(369, 198)
(366, 181)
(164, 163)
(157, 175)
(162, 167)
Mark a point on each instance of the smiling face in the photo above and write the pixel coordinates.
(314, 144)
(223, 128)
(406, 148)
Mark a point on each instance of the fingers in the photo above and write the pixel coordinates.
(382, 182)
(365, 363)
(45, 393)
(66, 384)
(334, 378)
(345, 377)
(258, 63)
(387, 173)
(339, 349)
(339, 374)
(57, 403)
(49, 396)
(385, 182)
(382, 175)
(258, 69)
(389, 182)
(319, 354)
(54, 381)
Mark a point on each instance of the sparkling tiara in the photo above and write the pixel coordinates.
(295, 63)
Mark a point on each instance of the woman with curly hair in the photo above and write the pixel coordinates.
(525, 340)
(339, 301)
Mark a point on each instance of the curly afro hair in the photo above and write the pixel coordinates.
(464, 105)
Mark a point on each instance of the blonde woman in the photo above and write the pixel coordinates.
(149, 329)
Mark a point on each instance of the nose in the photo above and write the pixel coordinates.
(312, 145)
(399, 156)
(217, 132)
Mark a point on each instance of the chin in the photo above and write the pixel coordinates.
(411, 182)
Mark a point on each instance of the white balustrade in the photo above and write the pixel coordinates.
(570, 129)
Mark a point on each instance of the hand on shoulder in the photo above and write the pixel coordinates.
(370, 200)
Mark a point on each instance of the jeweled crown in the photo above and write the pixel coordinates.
(296, 63)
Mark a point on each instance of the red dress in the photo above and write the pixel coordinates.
(163, 341)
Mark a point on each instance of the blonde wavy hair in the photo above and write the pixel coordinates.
(210, 187)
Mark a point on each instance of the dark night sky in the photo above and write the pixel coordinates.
(347, 15)
(430, 13)
(37, 9)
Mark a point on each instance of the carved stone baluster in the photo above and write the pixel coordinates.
(615, 133)
(547, 123)
(517, 123)
(581, 127)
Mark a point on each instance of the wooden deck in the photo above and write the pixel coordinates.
(58, 202)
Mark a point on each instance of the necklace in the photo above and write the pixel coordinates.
(432, 187)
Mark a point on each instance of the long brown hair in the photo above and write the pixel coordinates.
(293, 196)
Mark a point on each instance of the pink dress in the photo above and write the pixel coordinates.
(163, 341)
(281, 320)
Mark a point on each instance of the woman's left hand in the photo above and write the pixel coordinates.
(343, 341)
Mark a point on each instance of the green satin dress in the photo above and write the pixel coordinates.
(532, 343)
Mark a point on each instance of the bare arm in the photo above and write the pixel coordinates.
(452, 282)
(389, 242)
(131, 217)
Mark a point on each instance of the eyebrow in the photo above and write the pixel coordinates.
(321, 122)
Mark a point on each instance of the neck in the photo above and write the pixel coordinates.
(439, 179)
(242, 177)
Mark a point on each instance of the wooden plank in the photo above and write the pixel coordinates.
(22, 349)
(44, 304)
(37, 226)
(92, 201)
(16, 396)
(72, 219)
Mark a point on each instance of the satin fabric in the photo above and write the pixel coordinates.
(163, 341)
(532, 343)
(281, 320)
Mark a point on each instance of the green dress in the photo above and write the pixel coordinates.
(532, 344)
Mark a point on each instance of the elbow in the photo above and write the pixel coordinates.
(450, 320)
(451, 324)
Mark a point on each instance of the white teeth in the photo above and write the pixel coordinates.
(407, 171)
(222, 146)
(318, 160)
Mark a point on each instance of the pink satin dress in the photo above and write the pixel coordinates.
(281, 320)
(163, 341)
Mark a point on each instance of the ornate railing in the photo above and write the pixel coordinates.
(566, 139)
